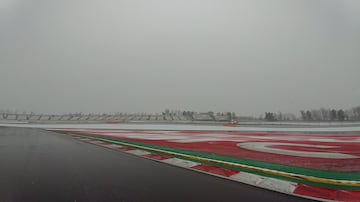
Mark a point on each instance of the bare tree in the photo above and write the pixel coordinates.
(356, 111)
(340, 115)
(333, 115)
(316, 115)
(309, 116)
(303, 115)
(325, 114)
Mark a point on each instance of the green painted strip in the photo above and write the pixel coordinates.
(283, 168)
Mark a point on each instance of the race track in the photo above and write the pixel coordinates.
(37, 165)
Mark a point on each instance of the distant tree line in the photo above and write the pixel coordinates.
(229, 115)
(271, 116)
(321, 114)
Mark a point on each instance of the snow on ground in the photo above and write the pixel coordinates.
(191, 127)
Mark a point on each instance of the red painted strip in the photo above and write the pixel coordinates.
(105, 143)
(215, 170)
(123, 149)
(204, 167)
(156, 157)
(329, 194)
(350, 196)
(317, 192)
(226, 144)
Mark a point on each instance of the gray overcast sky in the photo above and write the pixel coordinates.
(246, 56)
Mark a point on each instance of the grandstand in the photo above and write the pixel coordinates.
(117, 118)
(145, 117)
(131, 117)
(125, 117)
(84, 118)
(12, 117)
(105, 118)
(65, 118)
(137, 118)
(92, 117)
(22, 117)
(109, 117)
(160, 117)
(100, 118)
(55, 118)
(221, 118)
(34, 117)
(203, 117)
(74, 118)
(183, 118)
(44, 118)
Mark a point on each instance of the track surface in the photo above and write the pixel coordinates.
(37, 165)
(331, 152)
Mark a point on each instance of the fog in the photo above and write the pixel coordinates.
(244, 56)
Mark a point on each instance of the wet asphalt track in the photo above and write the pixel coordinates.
(36, 165)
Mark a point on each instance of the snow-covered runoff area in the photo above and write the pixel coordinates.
(191, 127)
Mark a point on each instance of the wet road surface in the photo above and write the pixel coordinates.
(37, 165)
